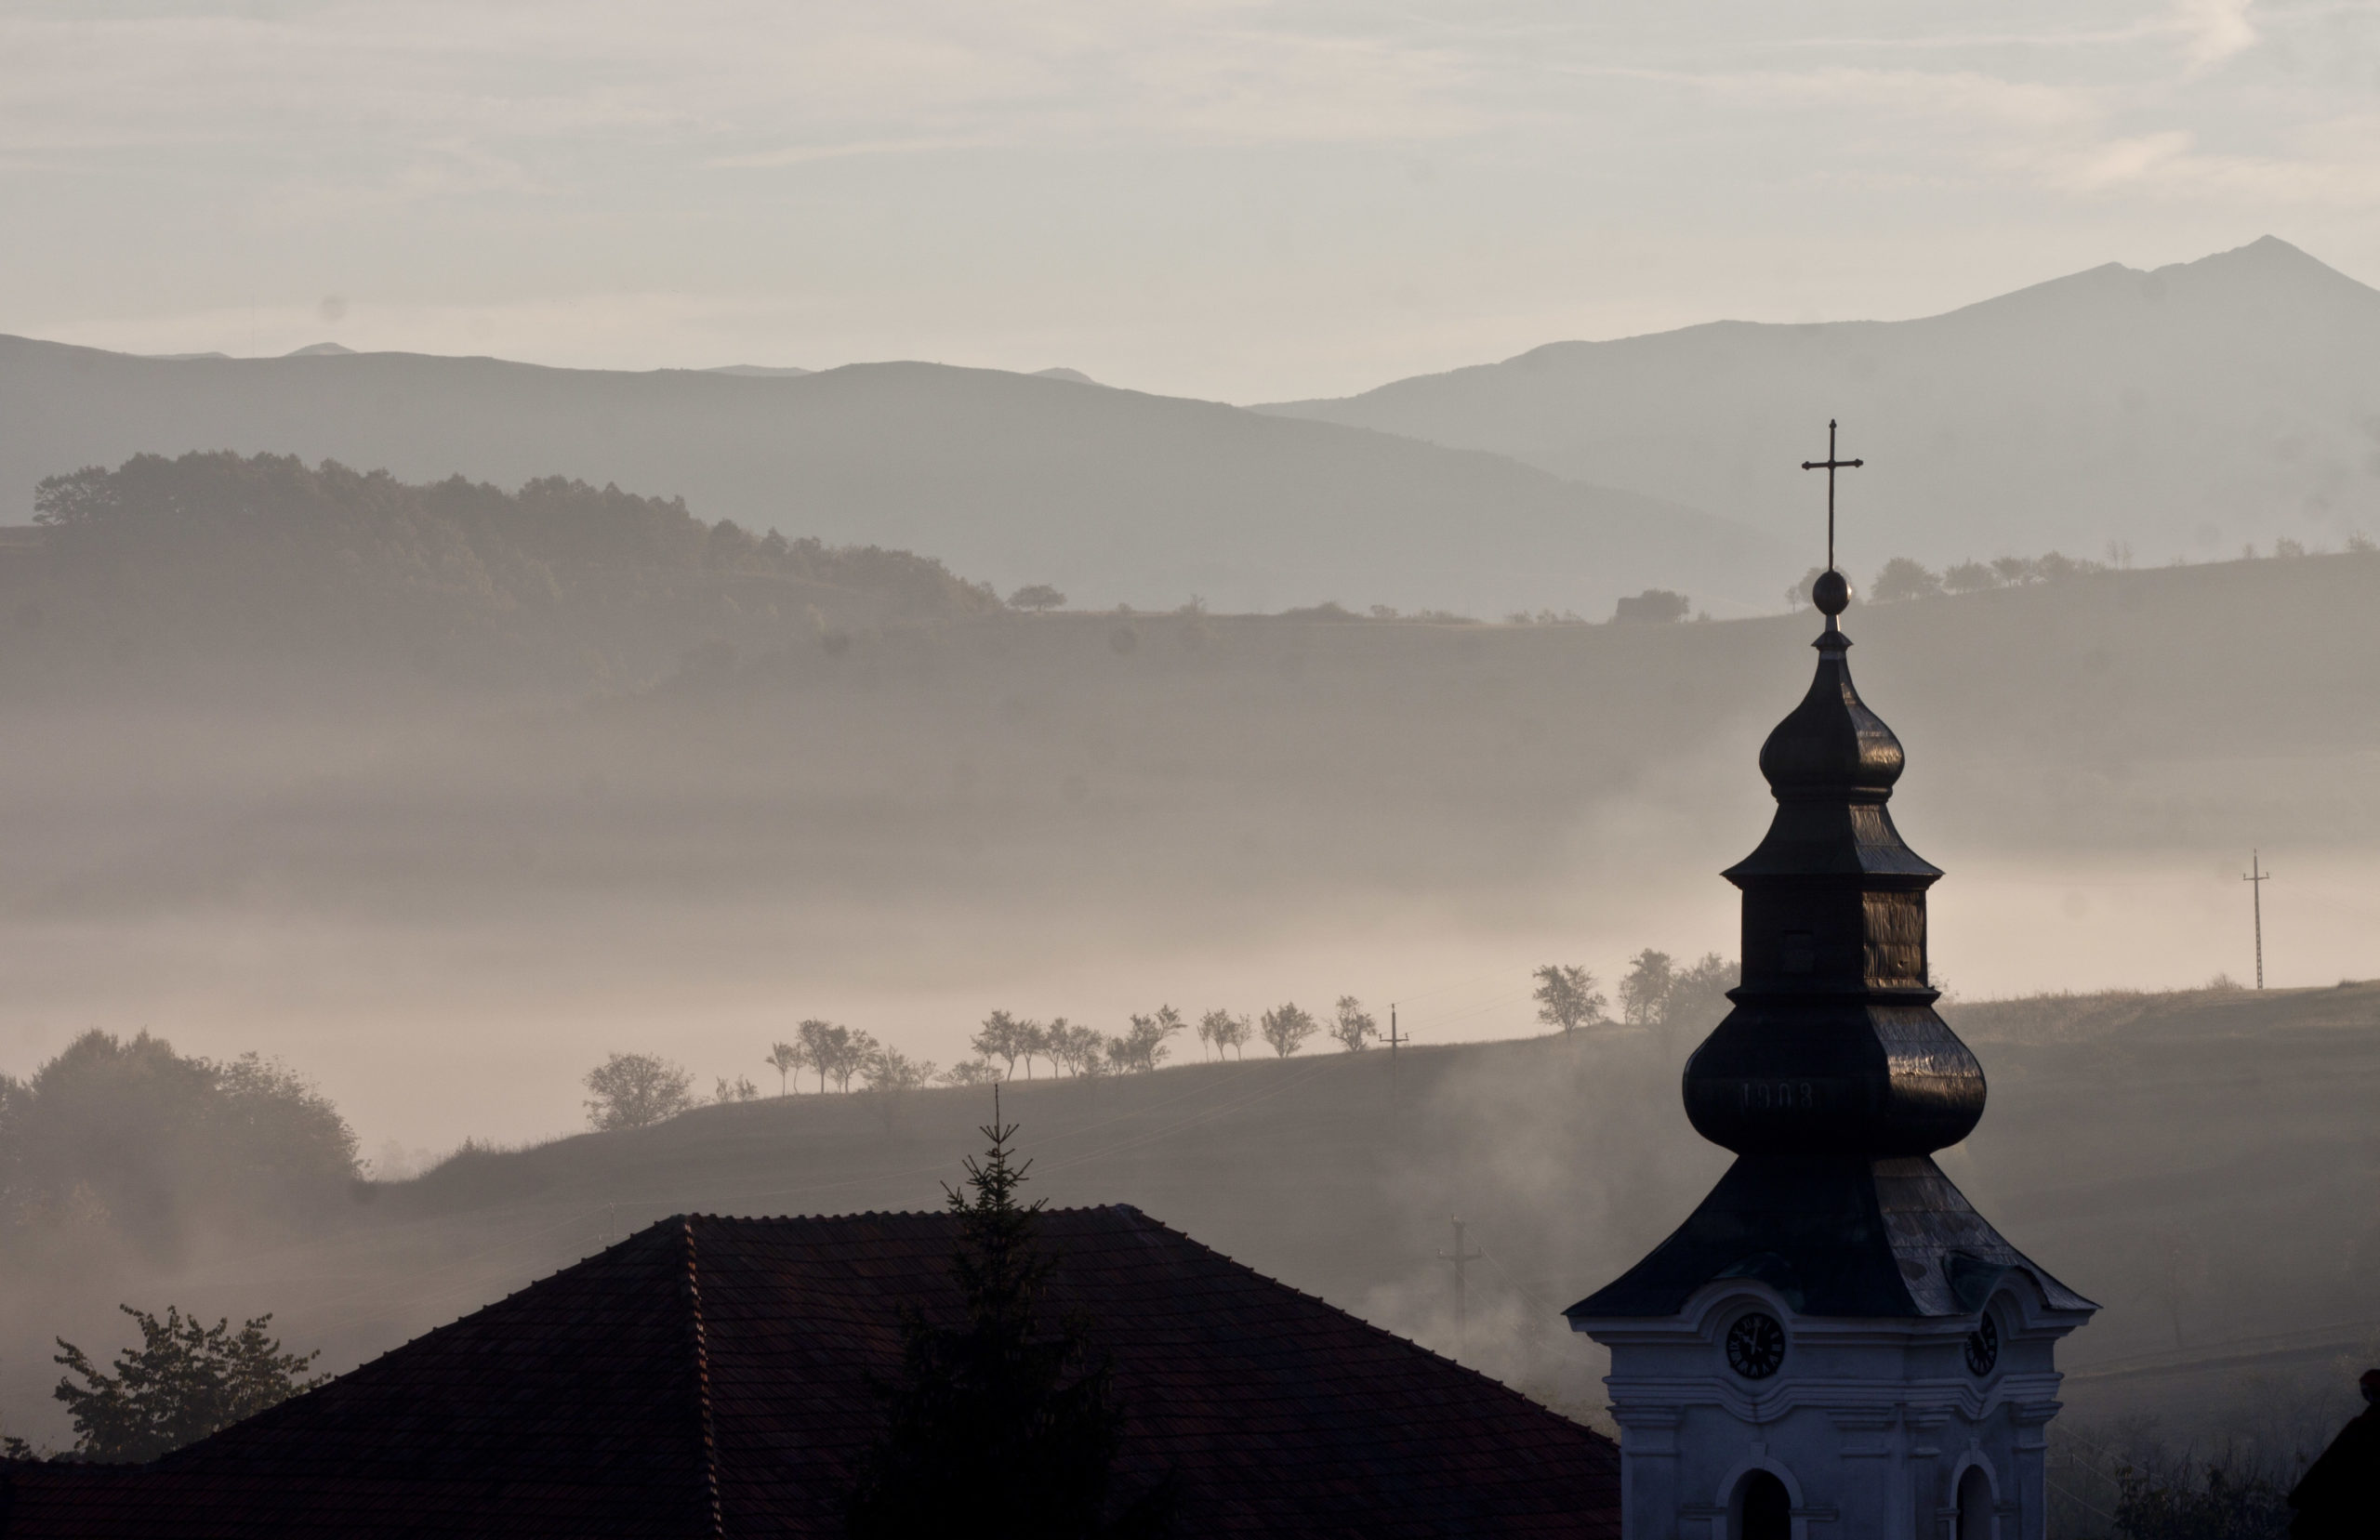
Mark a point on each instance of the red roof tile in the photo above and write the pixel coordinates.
(712, 1376)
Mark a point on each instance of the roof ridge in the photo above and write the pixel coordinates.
(702, 1377)
(1374, 1327)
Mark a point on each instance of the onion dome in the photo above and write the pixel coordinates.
(1832, 1078)
(1834, 1044)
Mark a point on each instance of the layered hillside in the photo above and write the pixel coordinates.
(2191, 409)
(1113, 496)
(267, 563)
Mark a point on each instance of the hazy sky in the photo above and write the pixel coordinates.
(1243, 199)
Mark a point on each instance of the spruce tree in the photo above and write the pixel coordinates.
(998, 1428)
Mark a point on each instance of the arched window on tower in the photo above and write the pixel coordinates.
(1975, 1505)
(1763, 1511)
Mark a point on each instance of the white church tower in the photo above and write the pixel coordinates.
(1835, 1343)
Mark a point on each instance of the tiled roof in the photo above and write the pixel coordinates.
(713, 1376)
(1836, 1236)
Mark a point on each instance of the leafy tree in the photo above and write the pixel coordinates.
(1035, 596)
(131, 1135)
(1696, 998)
(1287, 1027)
(1654, 606)
(634, 1090)
(1142, 1047)
(854, 1053)
(185, 1380)
(1904, 579)
(1647, 989)
(1353, 1026)
(738, 1089)
(972, 1072)
(1032, 1042)
(1000, 1038)
(1225, 1031)
(2015, 571)
(1566, 996)
(823, 1045)
(784, 1058)
(1968, 577)
(1074, 1048)
(1003, 1425)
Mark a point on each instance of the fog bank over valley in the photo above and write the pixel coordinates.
(437, 793)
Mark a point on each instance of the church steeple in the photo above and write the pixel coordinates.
(1834, 1333)
(1833, 1044)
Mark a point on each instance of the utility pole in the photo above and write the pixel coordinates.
(1459, 1256)
(1393, 1040)
(2256, 878)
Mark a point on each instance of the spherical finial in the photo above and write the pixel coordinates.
(1830, 593)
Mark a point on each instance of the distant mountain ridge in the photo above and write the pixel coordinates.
(2187, 410)
(1113, 496)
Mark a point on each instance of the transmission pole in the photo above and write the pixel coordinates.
(1460, 1256)
(2257, 879)
(1393, 1040)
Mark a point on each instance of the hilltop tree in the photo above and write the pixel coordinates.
(1142, 1047)
(1696, 998)
(857, 1050)
(1035, 596)
(1647, 989)
(1000, 1038)
(1225, 1031)
(1967, 577)
(784, 1058)
(738, 1089)
(1074, 1048)
(1567, 997)
(1353, 1026)
(1653, 606)
(184, 1381)
(634, 1090)
(1032, 1042)
(823, 1045)
(1903, 579)
(1287, 1027)
(1003, 1424)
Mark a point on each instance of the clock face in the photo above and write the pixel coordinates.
(1755, 1345)
(1983, 1347)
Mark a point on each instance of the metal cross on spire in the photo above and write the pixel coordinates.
(1831, 465)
